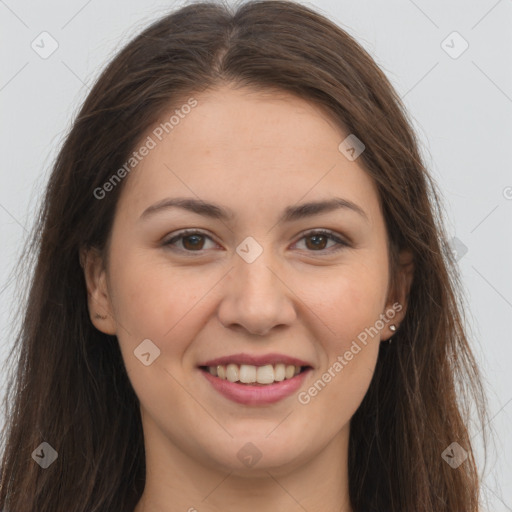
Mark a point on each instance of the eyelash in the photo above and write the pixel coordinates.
(329, 234)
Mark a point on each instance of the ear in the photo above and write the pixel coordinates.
(399, 295)
(98, 297)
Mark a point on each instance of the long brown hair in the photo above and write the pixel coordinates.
(68, 384)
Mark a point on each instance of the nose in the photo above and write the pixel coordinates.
(256, 297)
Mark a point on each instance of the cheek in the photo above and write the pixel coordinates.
(156, 302)
(334, 395)
(352, 302)
(152, 298)
(351, 306)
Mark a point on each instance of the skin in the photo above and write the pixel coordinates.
(256, 153)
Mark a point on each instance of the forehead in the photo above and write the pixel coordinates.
(248, 149)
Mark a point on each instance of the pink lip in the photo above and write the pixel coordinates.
(255, 360)
(256, 395)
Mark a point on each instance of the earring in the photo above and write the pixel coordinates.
(97, 315)
(392, 328)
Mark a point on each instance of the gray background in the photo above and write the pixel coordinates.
(461, 107)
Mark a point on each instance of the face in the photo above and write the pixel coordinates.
(253, 284)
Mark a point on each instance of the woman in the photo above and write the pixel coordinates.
(243, 293)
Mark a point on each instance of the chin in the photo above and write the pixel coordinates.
(256, 455)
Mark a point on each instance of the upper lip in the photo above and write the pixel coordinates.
(255, 360)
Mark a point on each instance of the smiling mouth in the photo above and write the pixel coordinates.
(255, 375)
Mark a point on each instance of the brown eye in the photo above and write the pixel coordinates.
(316, 241)
(191, 241)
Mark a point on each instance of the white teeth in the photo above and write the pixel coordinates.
(232, 372)
(265, 374)
(249, 374)
(289, 371)
(279, 372)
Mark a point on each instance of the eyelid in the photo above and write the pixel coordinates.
(183, 234)
(340, 240)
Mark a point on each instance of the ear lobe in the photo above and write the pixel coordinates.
(98, 297)
(400, 289)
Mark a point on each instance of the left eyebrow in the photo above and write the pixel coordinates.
(293, 213)
(290, 213)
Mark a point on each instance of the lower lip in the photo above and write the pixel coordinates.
(256, 395)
